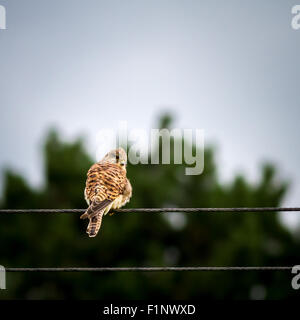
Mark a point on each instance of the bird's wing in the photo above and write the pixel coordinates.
(95, 207)
(105, 182)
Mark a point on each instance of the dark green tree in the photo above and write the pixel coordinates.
(200, 239)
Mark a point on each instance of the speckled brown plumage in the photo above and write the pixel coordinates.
(106, 187)
(105, 182)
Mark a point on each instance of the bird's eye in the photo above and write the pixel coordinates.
(117, 157)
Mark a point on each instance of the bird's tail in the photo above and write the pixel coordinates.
(94, 224)
(95, 213)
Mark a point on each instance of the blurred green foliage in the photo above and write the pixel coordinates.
(59, 240)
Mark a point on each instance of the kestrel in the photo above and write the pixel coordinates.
(107, 187)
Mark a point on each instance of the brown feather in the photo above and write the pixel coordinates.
(94, 208)
(94, 225)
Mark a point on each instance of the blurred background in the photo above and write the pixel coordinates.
(72, 68)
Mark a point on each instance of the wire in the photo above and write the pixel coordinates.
(154, 269)
(159, 210)
(149, 269)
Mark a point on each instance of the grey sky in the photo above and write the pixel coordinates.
(229, 67)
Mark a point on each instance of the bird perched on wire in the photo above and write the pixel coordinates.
(107, 187)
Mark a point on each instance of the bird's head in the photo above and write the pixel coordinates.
(117, 156)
